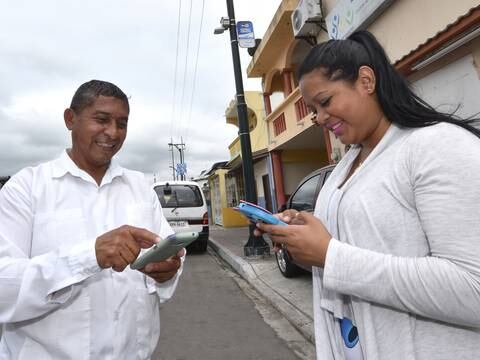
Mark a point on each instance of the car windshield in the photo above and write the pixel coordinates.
(178, 196)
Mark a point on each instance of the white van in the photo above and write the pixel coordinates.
(185, 209)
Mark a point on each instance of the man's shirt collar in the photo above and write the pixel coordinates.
(64, 165)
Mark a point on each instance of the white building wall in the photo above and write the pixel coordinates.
(454, 84)
(260, 169)
(294, 172)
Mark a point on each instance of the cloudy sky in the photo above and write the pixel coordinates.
(49, 47)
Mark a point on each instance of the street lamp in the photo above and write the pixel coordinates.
(255, 245)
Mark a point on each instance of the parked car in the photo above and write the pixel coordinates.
(185, 209)
(302, 199)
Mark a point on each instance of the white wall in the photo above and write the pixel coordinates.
(455, 84)
(276, 99)
(260, 169)
(294, 172)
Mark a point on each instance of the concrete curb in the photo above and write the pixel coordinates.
(302, 322)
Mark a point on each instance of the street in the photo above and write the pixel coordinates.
(216, 315)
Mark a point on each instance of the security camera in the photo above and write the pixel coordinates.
(225, 22)
(224, 25)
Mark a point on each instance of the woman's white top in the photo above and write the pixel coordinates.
(406, 262)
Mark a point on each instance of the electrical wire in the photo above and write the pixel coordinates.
(173, 114)
(185, 68)
(195, 72)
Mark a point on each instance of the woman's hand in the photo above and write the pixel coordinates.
(288, 216)
(305, 237)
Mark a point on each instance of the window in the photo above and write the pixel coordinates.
(304, 197)
(231, 186)
(177, 196)
(327, 175)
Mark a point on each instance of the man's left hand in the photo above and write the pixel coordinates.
(164, 270)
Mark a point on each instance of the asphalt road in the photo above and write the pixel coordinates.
(214, 315)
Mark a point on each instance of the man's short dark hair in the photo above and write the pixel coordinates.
(88, 92)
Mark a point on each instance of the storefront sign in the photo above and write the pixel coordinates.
(350, 15)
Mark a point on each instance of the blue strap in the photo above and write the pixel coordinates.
(349, 332)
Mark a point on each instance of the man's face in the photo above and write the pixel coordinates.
(98, 132)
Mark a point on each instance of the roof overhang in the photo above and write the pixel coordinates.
(278, 34)
(236, 162)
(448, 38)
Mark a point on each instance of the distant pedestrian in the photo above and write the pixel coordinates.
(395, 237)
(69, 229)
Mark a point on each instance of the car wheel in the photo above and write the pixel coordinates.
(198, 246)
(285, 264)
(202, 245)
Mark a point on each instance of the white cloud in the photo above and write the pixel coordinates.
(49, 48)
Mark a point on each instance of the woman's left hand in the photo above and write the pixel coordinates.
(307, 243)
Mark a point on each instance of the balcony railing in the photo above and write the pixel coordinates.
(279, 125)
(301, 109)
(288, 119)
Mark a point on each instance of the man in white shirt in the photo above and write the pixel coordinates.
(69, 229)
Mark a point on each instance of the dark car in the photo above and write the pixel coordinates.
(302, 199)
(3, 180)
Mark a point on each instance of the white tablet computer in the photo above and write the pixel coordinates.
(164, 249)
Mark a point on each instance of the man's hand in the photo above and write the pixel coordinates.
(164, 270)
(120, 247)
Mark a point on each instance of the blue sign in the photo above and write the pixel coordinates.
(181, 169)
(245, 35)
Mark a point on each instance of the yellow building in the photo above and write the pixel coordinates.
(226, 181)
(435, 43)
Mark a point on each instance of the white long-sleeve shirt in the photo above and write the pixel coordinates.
(55, 301)
(407, 259)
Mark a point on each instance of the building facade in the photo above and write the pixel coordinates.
(435, 43)
(226, 183)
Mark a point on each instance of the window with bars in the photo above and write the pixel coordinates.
(235, 189)
(231, 188)
(279, 124)
(301, 109)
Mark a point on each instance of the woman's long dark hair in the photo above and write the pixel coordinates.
(341, 60)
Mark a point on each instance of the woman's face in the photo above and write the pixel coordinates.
(350, 111)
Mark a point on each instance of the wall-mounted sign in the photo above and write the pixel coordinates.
(245, 35)
(351, 15)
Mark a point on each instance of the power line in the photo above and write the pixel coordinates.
(195, 71)
(172, 118)
(185, 68)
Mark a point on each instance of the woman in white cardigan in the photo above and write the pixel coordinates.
(395, 237)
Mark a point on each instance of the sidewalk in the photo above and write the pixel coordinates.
(291, 297)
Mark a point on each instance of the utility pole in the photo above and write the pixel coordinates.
(181, 148)
(255, 245)
(170, 148)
